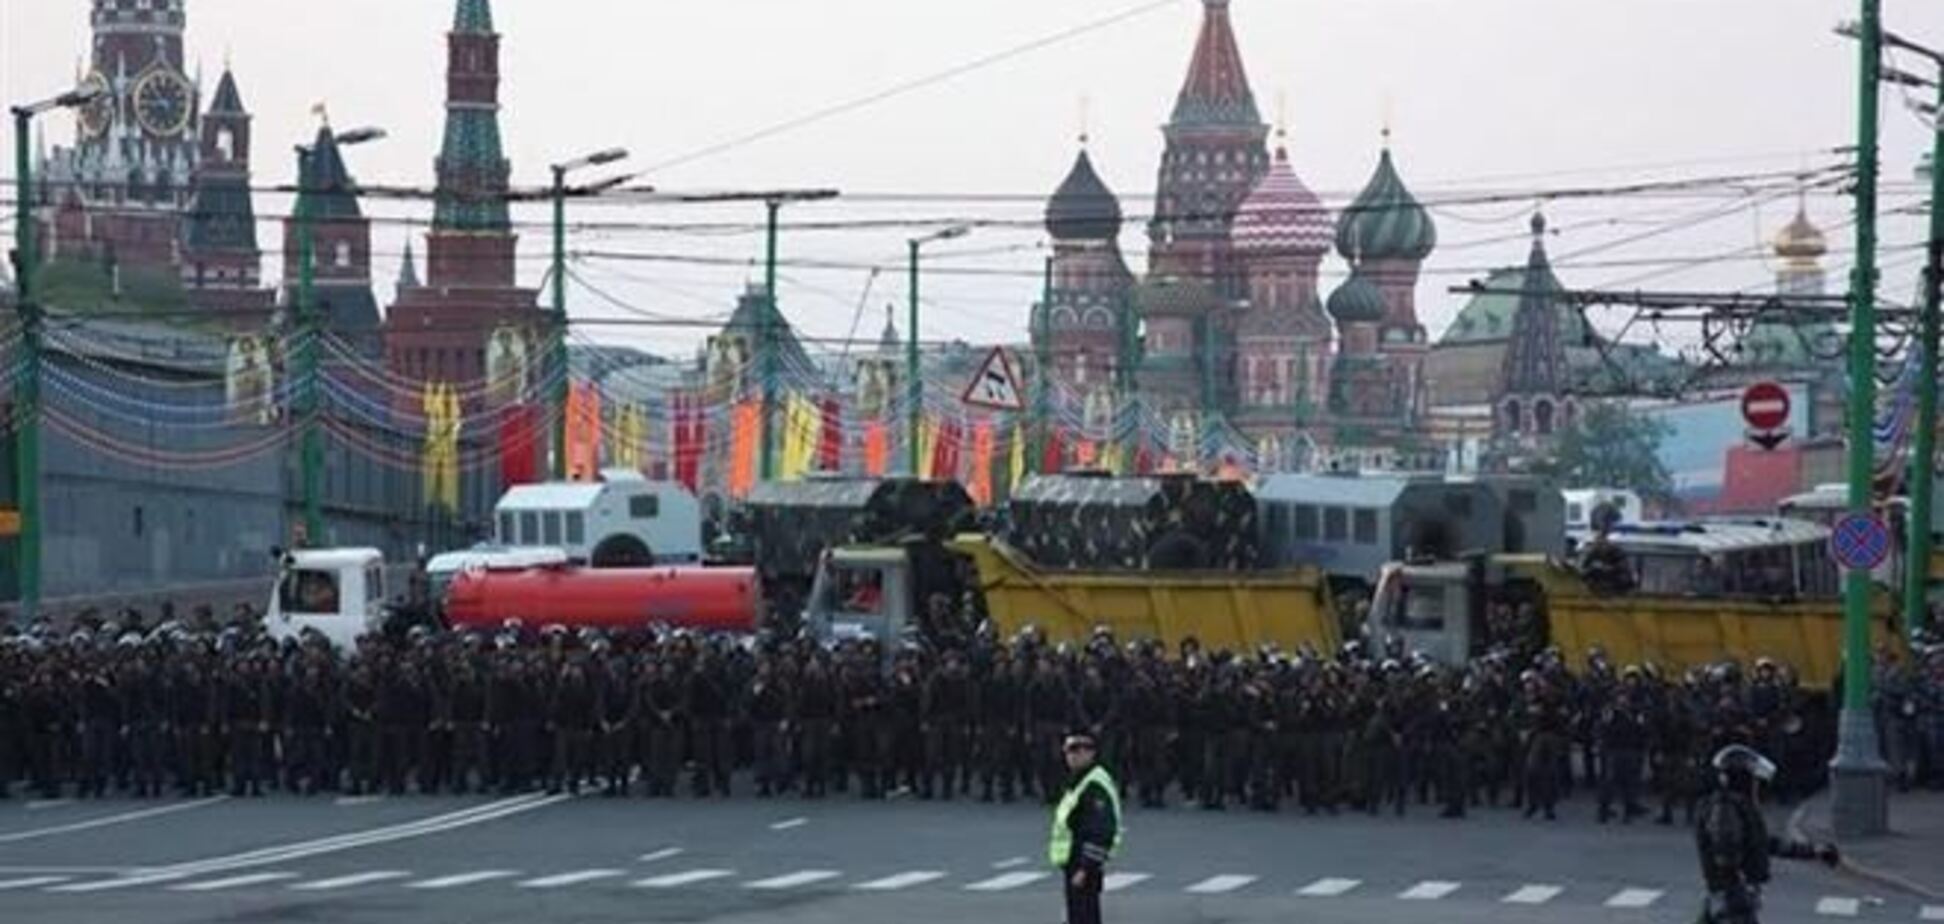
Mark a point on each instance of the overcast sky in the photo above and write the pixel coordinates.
(1482, 94)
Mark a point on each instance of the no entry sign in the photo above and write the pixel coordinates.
(1765, 406)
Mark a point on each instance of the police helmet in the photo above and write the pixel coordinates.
(1739, 764)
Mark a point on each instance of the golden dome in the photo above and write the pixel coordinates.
(1801, 239)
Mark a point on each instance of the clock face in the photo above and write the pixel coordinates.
(98, 115)
(162, 103)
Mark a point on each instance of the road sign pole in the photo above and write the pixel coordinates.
(1859, 803)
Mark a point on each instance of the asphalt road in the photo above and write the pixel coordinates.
(535, 858)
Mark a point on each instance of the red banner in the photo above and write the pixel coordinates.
(945, 453)
(1053, 455)
(688, 441)
(520, 441)
(830, 443)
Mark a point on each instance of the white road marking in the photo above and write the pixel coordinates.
(793, 880)
(1931, 913)
(1838, 907)
(788, 823)
(1118, 881)
(689, 877)
(1010, 862)
(1005, 881)
(900, 881)
(355, 801)
(464, 879)
(1634, 898)
(44, 804)
(560, 880)
(354, 879)
(1429, 890)
(233, 882)
(661, 854)
(120, 882)
(1328, 888)
(435, 824)
(107, 820)
(30, 882)
(1533, 895)
(1216, 885)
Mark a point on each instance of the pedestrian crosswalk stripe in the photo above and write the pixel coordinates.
(686, 877)
(31, 882)
(900, 881)
(1118, 881)
(1533, 895)
(560, 880)
(1327, 888)
(346, 882)
(1428, 890)
(792, 880)
(1838, 907)
(1931, 913)
(233, 882)
(123, 882)
(1004, 881)
(1215, 885)
(1633, 898)
(662, 854)
(464, 879)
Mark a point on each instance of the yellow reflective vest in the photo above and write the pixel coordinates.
(1059, 847)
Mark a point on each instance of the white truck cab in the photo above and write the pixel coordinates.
(1427, 607)
(338, 592)
(861, 592)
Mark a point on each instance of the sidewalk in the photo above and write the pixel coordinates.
(1910, 857)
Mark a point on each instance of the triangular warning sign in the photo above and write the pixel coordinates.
(996, 384)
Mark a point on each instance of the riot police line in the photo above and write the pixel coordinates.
(193, 710)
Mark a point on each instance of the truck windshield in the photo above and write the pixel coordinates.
(307, 591)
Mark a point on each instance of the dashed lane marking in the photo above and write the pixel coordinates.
(662, 854)
(1533, 895)
(463, 879)
(39, 805)
(793, 880)
(232, 882)
(1634, 898)
(1328, 888)
(351, 881)
(686, 877)
(355, 801)
(1216, 885)
(900, 881)
(1830, 906)
(788, 823)
(1010, 863)
(562, 880)
(1118, 881)
(120, 882)
(1005, 881)
(30, 882)
(1429, 890)
(1931, 913)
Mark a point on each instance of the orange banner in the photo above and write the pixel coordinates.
(743, 423)
(980, 484)
(877, 449)
(583, 432)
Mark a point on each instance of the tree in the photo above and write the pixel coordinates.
(1613, 447)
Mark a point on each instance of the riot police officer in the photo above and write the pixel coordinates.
(1734, 842)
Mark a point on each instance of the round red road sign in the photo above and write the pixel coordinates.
(1765, 406)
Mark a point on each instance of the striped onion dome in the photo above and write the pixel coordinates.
(1386, 222)
(1282, 216)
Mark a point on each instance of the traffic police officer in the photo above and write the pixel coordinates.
(1086, 829)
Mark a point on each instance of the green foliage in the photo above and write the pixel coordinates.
(1613, 447)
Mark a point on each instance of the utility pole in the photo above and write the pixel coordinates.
(1923, 461)
(1859, 803)
(1043, 374)
(766, 348)
(914, 374)
(27, 380)
(562, 386)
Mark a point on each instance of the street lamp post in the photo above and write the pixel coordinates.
(310, 329)
(562, 386)
(914, 383)
(1923, 461)
(26, 487)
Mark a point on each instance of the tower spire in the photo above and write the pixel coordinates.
(472, 243)
(1217, 90)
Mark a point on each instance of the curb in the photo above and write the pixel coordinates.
(1858, 870)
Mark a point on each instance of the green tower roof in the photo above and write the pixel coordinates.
(475, 16)
(1386, 222)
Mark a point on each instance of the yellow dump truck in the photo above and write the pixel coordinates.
(882, 591)
(1701, 593)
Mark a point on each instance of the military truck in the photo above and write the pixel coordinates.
(1699, 593)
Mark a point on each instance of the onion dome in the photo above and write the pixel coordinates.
(1357, 301)
(1386, 222)
(1801, 239)
(1084, 208)
(1282, 215)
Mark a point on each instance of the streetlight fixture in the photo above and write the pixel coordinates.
(25, 490)
(560, 388)
(914, 384)
(312, 448)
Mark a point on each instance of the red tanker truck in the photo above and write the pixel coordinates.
(700, 599)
